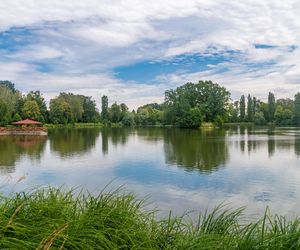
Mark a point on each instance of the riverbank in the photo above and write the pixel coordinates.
(75, 125)
(55, 219)
(34, 131)
(205, 125)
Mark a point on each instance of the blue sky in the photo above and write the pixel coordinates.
(133, 51)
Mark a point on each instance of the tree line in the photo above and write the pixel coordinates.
(186, 106)
(282, 112)
(63, 109)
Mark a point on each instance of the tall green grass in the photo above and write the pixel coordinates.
(55, 219)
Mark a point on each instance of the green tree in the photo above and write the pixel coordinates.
(10, 98)
(233, 112)
(211, 99)
(235, 115)
(75, 103)
(90, 113)
(60, 112)
(271, 107)
(31, 110)
(249, 108)
(175, 111)
(115, 113)
(124, 110)
(263, 107)
(254, 105)
(191, 119)
(259, 118)
(142, 116)
(4, 115)
(286, 103)
(17, 117)
(39, 99)
(242, 108)
(128, 119)
(9, 85)
(283, 116)
(297, 109)
(104, 112)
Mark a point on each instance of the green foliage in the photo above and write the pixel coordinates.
(286, 103)
(147, 115)
(211, 99)
(10, 98)
(297, 109)
(90, 112)
(153, 106)
(31, 110)
(271, 107)
(259, 119)
(233, 112)
(190, 119)
(9, 85)
(264, 110)
(17, 117)
(185, 106)
(128, 119)
(75, 103)
(53, 219)
(219, 121)
(60, 112)
(39, 99)
(242, 108)
(4, 115)
(104, 113)
(249, 109)
(115, 113)
(254, 105)
(70, 108)
(283, 116)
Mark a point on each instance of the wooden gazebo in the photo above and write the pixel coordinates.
(28, 122)
(27, 127)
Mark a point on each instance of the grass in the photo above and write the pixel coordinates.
(55, 219)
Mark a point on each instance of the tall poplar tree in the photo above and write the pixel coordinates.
(271, 107)
(242, 108)
(249, 109)
(104, 108)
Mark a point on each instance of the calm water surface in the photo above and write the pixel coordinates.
(179, 169)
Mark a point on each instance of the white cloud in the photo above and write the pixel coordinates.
(82, 42)
(33, 53)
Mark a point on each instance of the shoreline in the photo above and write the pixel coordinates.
(34, 131)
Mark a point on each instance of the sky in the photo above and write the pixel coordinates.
(134, 50)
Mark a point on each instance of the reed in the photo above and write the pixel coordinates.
(55, 219)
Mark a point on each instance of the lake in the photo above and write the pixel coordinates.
(177, 169)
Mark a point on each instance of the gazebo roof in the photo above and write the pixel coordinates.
(27, 122)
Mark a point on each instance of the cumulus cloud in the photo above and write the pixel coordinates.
(76, 46)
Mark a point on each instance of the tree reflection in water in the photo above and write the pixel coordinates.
(13, 147)
(114, 136)
(202, 150)
(191, 149)
(70, 142)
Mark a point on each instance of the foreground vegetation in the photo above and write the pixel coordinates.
(52, 219)
(186, 106)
